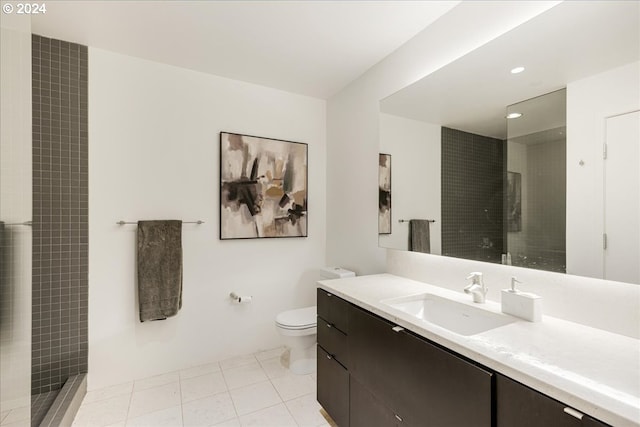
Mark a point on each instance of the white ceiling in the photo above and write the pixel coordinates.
(570, 41)
(313, 48)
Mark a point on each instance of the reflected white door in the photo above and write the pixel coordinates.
(622, 198)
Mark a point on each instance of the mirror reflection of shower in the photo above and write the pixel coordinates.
(535, 202)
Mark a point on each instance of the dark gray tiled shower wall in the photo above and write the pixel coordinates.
(60, 212)
(473, 179)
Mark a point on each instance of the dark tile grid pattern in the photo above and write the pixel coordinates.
(60, 212)
(473, 177)
(40, 404)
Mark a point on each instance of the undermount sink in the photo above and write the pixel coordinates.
(456, 317)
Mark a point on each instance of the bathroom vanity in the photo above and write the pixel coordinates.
(380, 364)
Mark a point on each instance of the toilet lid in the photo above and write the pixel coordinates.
(298, 319)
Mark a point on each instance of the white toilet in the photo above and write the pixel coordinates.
(298, 329)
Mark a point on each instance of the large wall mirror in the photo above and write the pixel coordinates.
(557, 186)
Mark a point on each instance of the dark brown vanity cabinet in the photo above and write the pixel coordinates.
(422, 384)
(374, 373)
(519, 405)
(333, 376)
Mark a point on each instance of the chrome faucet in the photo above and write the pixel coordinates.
(476, 287)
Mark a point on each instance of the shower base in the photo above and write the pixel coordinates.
(58, 408)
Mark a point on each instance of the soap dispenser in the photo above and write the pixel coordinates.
(524, 305)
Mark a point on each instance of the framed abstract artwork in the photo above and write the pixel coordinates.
(384, 194)
(514, 201)
(263, 187)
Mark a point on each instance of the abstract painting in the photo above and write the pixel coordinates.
(384, 194)
(263, 187)
(514, 201)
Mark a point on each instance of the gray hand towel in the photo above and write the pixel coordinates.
(159, 269)
(419, 236)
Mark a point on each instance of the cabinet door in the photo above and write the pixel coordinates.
(367, 410)
(422, 383)
(518, 405)
(333, 388)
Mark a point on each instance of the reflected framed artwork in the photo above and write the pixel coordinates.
(263, 187)
(384, 194)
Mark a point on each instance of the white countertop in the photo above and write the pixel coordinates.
(591, 370)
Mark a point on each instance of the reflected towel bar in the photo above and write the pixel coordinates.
(184, 222)
(407, 220)
(26, 223)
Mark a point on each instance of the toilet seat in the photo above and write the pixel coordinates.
(298, 319)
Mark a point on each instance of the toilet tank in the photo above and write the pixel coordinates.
(335, 273)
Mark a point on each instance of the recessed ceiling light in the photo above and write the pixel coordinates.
(513, 115)
(517, 70)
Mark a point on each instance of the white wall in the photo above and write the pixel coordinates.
(353, 114)
(589, 101)
(415, 150)
(154, 154)
(15, 207)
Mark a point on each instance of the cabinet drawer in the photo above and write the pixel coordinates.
(333, 341)
(333, 388)
(334, 310)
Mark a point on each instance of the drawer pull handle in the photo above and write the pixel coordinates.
(397, 329)
(329, 325)
(329, 356)
(573, 413)
(329, 295)
(398, 417)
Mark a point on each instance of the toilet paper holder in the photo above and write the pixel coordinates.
(240, 298)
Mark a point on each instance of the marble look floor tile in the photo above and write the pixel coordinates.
(170, 417)
(158, 380)
(244, 375)
(273, 367)
(108, 392)
(208, 411)
(196, 371)
(16, 415)
(154, 399)
(306, 411)
(274, 416)
(204, 385)
(230, 423)
(269, 354)
(237, 361)
(291, 386)
(120, 424)
(3, 414)
(103, 412)
(254, 397)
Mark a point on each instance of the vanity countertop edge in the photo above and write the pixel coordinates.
(591, 370)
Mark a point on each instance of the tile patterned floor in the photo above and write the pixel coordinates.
(251, 390)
